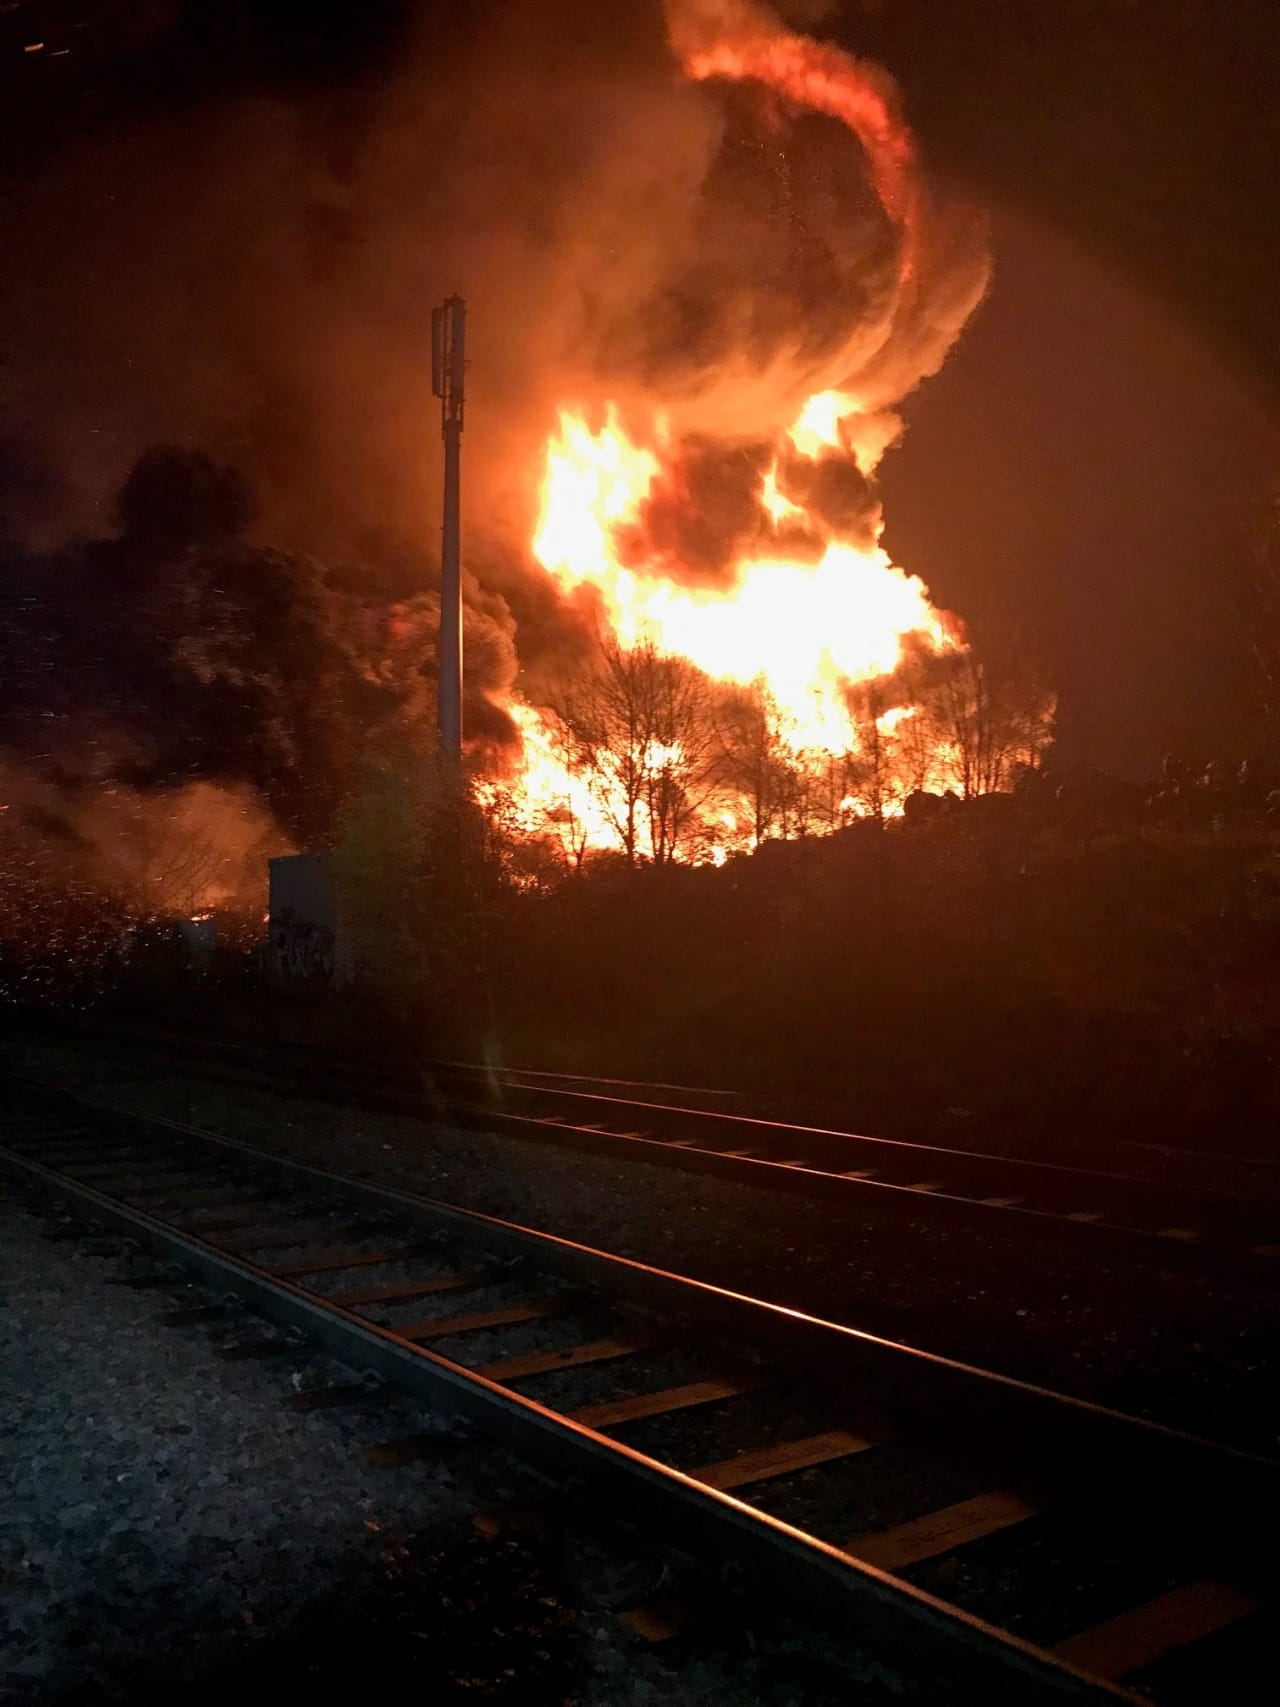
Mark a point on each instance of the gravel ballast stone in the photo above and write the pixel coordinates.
(170, 1527)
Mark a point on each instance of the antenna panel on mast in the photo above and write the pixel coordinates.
(457, 311)
(437, 351)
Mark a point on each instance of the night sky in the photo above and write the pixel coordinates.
(1093, 458)
(1086, 469)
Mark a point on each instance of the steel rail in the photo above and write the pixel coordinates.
(555, 1079)
(884, 1198)
(840, 1145)
(415, 1076)
(1207, 1473)
(912, 1148)
(585, 1079)
(889, 1615)
(977, 1189)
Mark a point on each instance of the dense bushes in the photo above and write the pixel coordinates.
(985, 970)
(993, 970)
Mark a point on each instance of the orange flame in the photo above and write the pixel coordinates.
(809, 629)
(808, 611)
(739, 41)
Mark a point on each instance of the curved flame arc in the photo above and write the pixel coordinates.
(809, 604)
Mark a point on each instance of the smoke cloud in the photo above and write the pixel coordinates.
(247, 280)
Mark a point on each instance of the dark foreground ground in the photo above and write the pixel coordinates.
(170, 1530)
(168, 1527)
(1189, 1346)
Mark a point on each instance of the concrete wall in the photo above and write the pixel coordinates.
(302, 927)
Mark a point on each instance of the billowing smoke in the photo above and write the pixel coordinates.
(249, 279)
(704, 512)
(811, 259)
(705, 507)
(175, 682)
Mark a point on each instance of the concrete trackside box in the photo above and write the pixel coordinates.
(302, 922)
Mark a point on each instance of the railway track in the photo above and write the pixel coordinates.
(1074, 1205)
(890, 1177)
(1002, 1542)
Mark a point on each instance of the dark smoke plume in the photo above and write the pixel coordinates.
(836, 491)
(177, 652)
(704, 509)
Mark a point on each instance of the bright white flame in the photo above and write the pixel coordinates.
(808, 628)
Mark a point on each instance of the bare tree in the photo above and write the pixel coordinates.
(642, 733)
(562, 817)
(163, 880)
(994, 717)
(571, 830)
(178, 855)
(757, 766)
(871, 778)
(607, 719)
(806, 797)
(680, 763)
(918, 739)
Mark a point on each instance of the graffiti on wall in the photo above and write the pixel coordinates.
(301, 950)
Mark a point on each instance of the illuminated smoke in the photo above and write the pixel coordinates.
(714, 492)
(710, 253)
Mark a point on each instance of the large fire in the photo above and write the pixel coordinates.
(808, 612)
(807, 628)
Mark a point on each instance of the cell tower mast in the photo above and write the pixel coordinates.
(448, 373)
